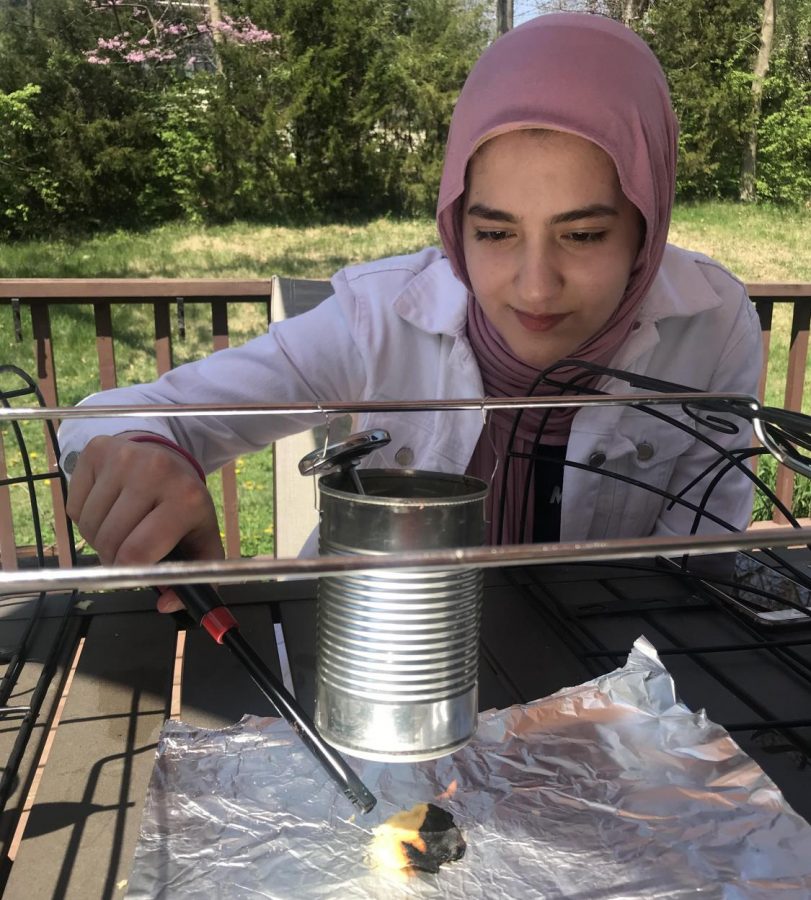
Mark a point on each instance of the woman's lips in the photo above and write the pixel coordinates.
(539, 323)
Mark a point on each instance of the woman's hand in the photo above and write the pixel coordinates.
(135, 502)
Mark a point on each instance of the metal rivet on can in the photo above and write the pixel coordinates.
(404, 456)
(644, 451)
(597, 459)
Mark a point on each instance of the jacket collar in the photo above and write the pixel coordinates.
(436, 301)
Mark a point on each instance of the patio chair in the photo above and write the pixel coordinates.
(295, 499)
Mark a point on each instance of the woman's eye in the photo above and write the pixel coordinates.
(585, 237)
(492, 236)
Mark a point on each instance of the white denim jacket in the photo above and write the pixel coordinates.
(395, 330)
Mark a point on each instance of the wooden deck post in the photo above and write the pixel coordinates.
(105, 348)
(163, 337)
(795, 380)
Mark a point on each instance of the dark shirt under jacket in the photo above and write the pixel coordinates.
(548, 493)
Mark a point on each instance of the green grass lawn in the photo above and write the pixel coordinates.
(757, 243)
(226, 251)
(760, 243)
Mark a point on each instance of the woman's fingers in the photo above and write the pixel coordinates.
(84, 478)
(116, 520)
(183, 517)
(169, 602)
(136, 502)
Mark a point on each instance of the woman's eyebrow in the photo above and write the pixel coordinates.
(573, 215)
(585, 212)
(486, 212)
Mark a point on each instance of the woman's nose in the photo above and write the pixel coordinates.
(538, 279)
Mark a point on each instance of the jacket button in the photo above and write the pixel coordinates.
(404, 456)
(644, 451)
(597, 459)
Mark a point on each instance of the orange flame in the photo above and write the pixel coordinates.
(388, 851)
(449, 791)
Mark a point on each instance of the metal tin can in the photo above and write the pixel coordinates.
(398, 651)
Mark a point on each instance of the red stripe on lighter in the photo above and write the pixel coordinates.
(218, 622)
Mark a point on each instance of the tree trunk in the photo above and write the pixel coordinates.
(632, 10)
(504, 16)
(214, 17)
(749, 161)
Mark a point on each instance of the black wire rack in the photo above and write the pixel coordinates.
(784, 434)
(17, 385)
(751, 678)
(737, 632)
(599, 633)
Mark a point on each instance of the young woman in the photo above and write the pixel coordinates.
(553, 212)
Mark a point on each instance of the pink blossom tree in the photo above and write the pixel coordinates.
(184, 32)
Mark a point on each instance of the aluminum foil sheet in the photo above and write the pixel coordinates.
(613, 789)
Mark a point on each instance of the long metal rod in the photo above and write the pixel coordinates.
(483, 404)
(237, 571)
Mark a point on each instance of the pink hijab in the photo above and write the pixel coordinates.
(593, 77)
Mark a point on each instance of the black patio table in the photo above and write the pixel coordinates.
(543, 628)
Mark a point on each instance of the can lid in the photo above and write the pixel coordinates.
(344, 453)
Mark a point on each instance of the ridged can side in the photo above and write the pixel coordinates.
(398, 650)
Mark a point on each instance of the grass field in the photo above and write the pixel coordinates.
(757, 243)
(227, 251)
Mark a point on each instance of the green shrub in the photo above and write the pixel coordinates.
(183, 158)
(801, 503)
(784, 138)
(23, 183)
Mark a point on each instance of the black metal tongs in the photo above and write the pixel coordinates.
(205, 606)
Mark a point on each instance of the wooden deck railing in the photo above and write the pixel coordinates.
(40, 296)
(799, 295)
